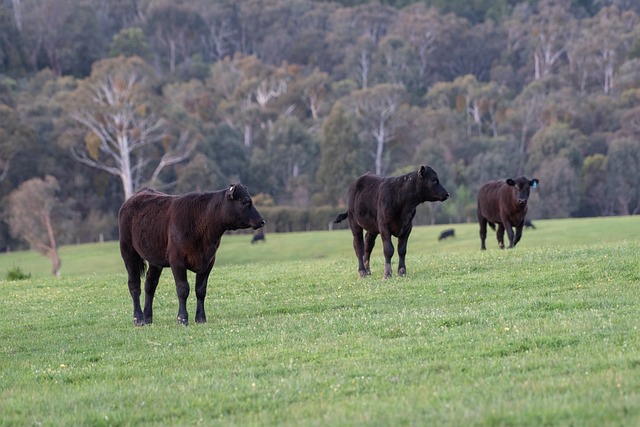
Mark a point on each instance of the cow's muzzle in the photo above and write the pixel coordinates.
(522, 202)
(259, 225)
(445, 197)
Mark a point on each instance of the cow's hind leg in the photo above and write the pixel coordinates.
(358, 246)
(483, 231)
(201, 292)
(150, 285)
(182, 289)
(369, 243)
(388, 253)
(135, 269)
(402, 251)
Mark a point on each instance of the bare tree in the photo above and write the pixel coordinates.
(119, 130)
(378, 107)
(30, 217)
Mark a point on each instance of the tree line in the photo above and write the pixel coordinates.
(297, 98)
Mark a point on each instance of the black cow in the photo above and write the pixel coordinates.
(449, 232)
(529, 224)
(386, 206)
(258, 237)
(181, 232)
(504, 203)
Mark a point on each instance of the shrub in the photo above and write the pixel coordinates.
(16, 273)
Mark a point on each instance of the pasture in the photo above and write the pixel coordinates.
(545, 334)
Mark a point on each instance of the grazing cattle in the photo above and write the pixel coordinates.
(504, 203)
(529, 224)
(449, 232)
(180, 232)
(257, 237)
(386, 206)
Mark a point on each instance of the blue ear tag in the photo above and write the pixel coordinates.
(535, 184)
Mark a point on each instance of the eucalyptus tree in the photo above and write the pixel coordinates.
(340, 156)
(119, 125)
(14, 136)
(594, 199)
(63, 35)
(246, 91)
(355, 34)
(605, 41)
(623, 175)
(379, 110)
(31, 217)
(285, 163)
(175, 28)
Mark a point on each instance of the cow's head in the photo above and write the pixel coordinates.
(521, 187)
(430, 188)
(244, 213)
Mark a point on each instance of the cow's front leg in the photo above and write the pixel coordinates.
(388, 254)
(518, 233)
(402, 251)
(510, 234)
(369, 243)
(201, 293)
(150, 285)
(182, 289)
(500, 235)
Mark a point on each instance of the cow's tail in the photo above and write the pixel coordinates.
(492, 225)
(341, 217)
(143, 267)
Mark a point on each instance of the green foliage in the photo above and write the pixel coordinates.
(130, 42)
(477, 89)
(16, 273)
(339, 156)
(542, 334)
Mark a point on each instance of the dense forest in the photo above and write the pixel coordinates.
(296, 98)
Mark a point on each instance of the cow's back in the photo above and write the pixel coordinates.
(489, 200)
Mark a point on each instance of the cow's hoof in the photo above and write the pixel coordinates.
(363, 273)
(138, 322)
(203, 320)
(402, 272)
(183, 321)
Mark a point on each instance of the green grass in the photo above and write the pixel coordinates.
(236, 248)
(546, 334)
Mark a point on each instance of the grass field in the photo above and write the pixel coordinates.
(546, 334)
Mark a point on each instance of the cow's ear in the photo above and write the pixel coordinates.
(422, 171)
(511, 182)
(534, 182)
(230, 192)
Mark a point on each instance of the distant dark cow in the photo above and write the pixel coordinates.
(181, 232)
(504, 203)
(386, 206)
(529, 224)
(257, 237)
(449, 232)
